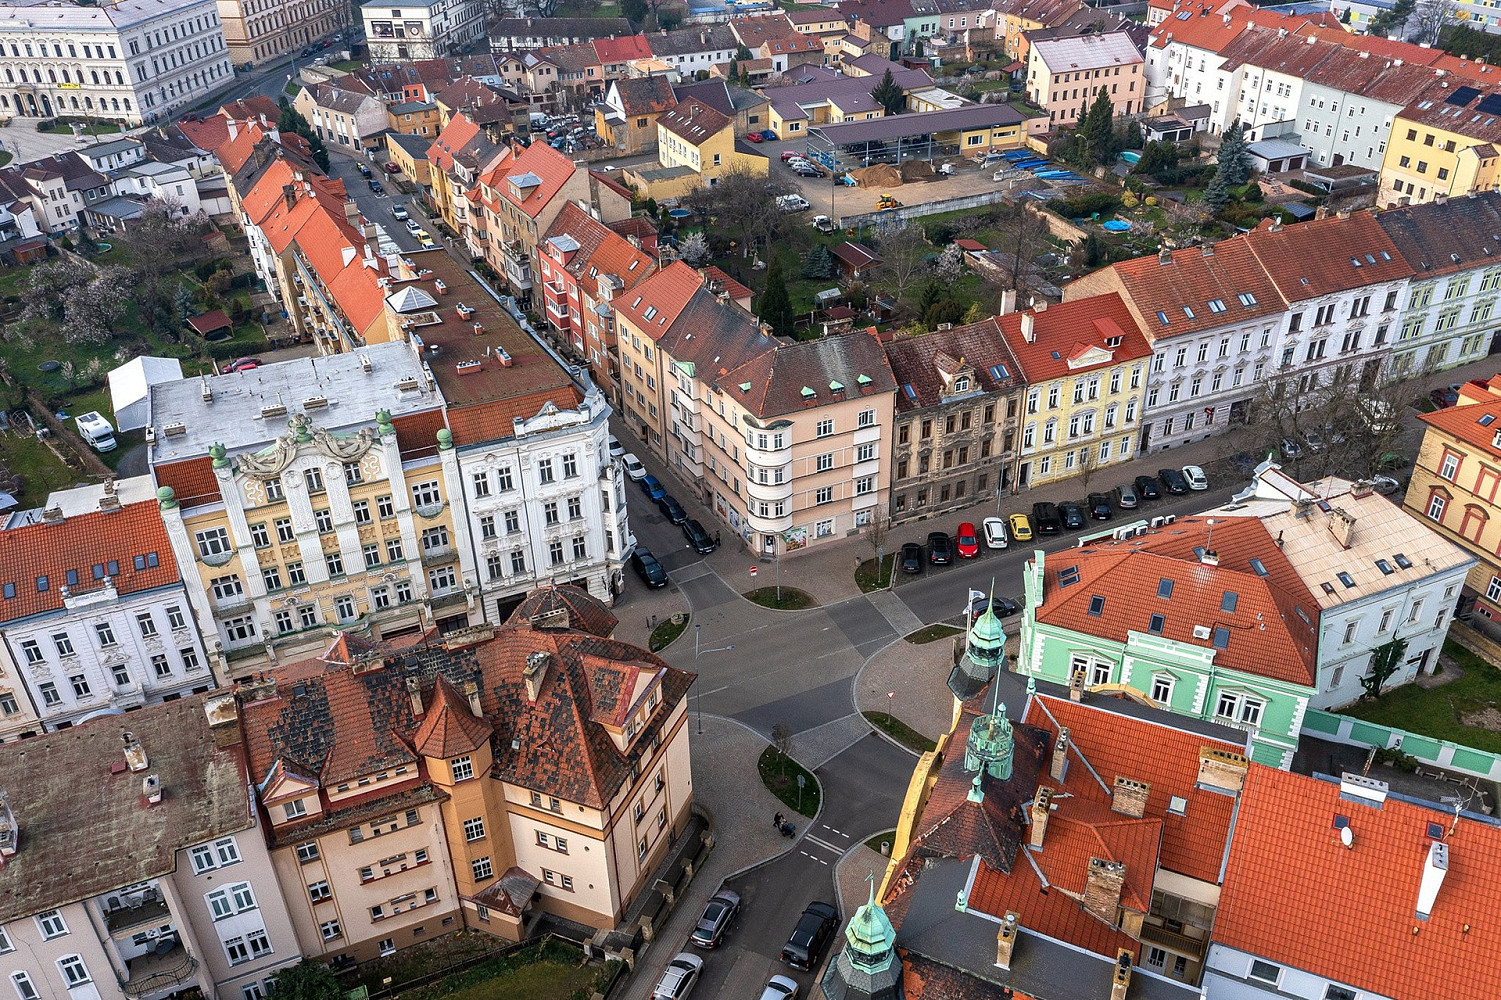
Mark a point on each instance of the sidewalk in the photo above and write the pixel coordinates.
(919, 676)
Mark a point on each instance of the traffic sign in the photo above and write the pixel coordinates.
(753, 571)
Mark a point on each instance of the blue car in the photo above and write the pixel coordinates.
(653, 487)
(769, 135)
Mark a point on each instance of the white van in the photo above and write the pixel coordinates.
(793, 203)
(96, 431)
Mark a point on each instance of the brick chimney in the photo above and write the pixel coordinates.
(289, 192)
(1222, 770)
(414, 692)
(1129, 797)
(223, 715)
(1005, 939)
(1102, 889)
(1042, 805)
(1121, 981)
(135, 754)
(1058, 769)
(471, 690)
(535, 673)
(1342, 527)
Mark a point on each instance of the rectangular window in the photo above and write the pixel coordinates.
(314, 480)
(462, 768)
(331, 930)
(361, 512)
(474, 829)
(1265, 971)
(75, 973)
(213, 542)
(51, 924)
(481, 868)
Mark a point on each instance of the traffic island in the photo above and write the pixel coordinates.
(781, 774)
(781, 598)
(663, 635)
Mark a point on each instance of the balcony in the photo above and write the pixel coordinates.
(163, 971)
(124, 916)
(437, 555)
(1180, 944)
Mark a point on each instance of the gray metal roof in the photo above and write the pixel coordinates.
(920, 123)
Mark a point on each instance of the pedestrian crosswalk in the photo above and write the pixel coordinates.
(824, 844)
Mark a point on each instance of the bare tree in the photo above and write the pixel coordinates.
(781, 738)
(1021, 236)
(876, 530)
(1332, 421)
(743, 208)
(904, 255)
(1429, 19)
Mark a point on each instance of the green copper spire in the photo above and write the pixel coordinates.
(869, 937)
(219, 454)
(987, 639)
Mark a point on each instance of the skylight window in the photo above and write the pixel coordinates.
(1068, 576)
(907, 388)
(1155, 625)
(1216, 305)
(1403, 561)
(1487, 420)
(1247, 299)
(1346, 579)
(1162, 317)
(636, 303)
(1188, 311)
(1259, 567)
(1164, 588)
(999, 372)
(1229, 601)
(1221, 637)
(1355, 262)
(1096, 605)
(1057, 356)
(1327, 586)
(651, 313)
(1385, 567)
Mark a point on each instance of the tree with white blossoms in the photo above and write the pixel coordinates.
(950, 263)
(695, 248)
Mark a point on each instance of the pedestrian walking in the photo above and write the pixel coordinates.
(776, 821)
(716, 538)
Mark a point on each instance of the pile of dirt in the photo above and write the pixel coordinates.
(882, 175)
(916, 170)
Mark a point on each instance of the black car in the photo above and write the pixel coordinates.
(1004, 607)
(375, 186)
(671, 509)
(1173, 480)
(647, 568)
(1146, 488)
(718, 913)
(1045, 516)
(940, 549)
(911, 558)
(697, 537)
(1099, 506)
(1072, 514)
(811, 935)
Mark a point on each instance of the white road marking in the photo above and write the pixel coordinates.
(824, 844)
(832, 830)
(807, 855)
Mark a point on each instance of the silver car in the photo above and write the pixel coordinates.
(679, 977)
(715, 921)
(779, 988)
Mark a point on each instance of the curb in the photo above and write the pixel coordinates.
(855, 702)
(809, 820)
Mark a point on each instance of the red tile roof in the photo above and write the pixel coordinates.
(210, 133)
(1071, 337)
(192, 481)
(1462, 420)
(257, 105)
(449, 728)
(574, 606)
(1301, 263)
(664, 295)
(461, 128)
(715, 279)
(1296, 896)
(623, 49)
(694, 122)
(80, 543)
(1272, 631)
(540, 160)
(916, 362)
(1183, 287)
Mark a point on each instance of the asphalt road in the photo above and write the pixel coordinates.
(376, 207)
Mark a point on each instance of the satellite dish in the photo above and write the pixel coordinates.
(1347, 836)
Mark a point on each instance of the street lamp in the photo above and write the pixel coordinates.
(698, 700)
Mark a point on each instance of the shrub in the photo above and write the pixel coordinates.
(1085, 205)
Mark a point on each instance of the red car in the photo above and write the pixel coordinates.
(967, 542)
(790, 154)
(242, 365)
(753, 137)
(391, 168)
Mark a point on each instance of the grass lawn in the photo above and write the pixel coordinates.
(5, 157)
(932, 633)
(779, 774)
(347, 65)
(669, 630)
(792, 599)
(874, 843)
(1436, 712)
(39, 469)
(899, 731)
(93, 128)
(292, 88)
(553, 971)
(867, 577)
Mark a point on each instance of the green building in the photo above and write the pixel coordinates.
(1203, 618)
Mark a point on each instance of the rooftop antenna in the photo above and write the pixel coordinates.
(1209, 539)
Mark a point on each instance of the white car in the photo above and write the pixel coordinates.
(414, 227)
(1196, 478)
(779, 988)
(995, 533)
(399, 212)
(679, 977)
(633, 466)
(617, 450)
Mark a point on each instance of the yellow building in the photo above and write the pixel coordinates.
(1018, 17)
(308, 497)
(695, 148)
(1442, 146)
(1085, 365)
(414, 118)
(409, 153)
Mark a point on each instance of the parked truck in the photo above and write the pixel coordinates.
(97, 431)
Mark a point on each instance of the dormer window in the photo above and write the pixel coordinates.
(961, 384)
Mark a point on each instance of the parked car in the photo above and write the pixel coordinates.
(791, 154)
(633, 467)
(679, 977)
(697, 537)
(1099, 506)
(671, 509)
(1126, 498)
(653, 486)
(1445, 396)
(241, 365)
(1146, 488)
(1021, 527)
(391, 168)
(779, 988)
(811, 935)
(995, 533)
(1045, 516)
(399, 212)
(753, 137)
(425, 242)
(967, 541)
(1314, 441)
(1196, 478)
(376, 187)
(768, 135)
(1290, 449)
(414, 227)
(1172, 480)
(651, 572)
(940, 549)
(1004, 607)
(715, 920)
(1072, 514)
(364, 170)
(617, 450)
(911, 557)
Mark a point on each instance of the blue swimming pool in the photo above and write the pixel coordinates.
(1131, 156)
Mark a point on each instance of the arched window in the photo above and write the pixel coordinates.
(95, 77)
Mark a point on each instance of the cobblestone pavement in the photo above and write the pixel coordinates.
(919, 676)
(850, 874)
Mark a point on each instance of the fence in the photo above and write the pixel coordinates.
(887, 218)
(1427, 750)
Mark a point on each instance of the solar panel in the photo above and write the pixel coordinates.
(1491, 105)
(1462, 95)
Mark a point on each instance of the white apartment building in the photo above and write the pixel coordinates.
(132, 867)
(1379, 575)
(401, 32)
(134, 61)
(94, 612)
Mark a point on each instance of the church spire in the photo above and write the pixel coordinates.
(867, 968)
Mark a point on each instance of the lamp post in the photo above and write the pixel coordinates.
(698, 701)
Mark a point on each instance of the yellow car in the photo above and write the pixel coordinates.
(1021, 527)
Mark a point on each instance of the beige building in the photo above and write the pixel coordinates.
(538, 765)
(1065, 74)
(343, 117)
(259, 31)
(161, 885)
(306, 497)
(788, 443)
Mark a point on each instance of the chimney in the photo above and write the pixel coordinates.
(1102, 889)
(414, 692)
(471, 690)
(1322, 212)
(1059, 767)
(1029, 327)
(1210, 558)
(1366, 791)
(1208, 249)
(1008, 302)
(10, 834)
(135, 754)
(1342, 526)
(1342, 215)
(1361, 488)
(289, 192)
(1130, 797)
(223, 715)
(1121, 981)
(535, 673)
(1435, 867)
(1222, 770)
(1040, 306)
(351, 213)
(1042, 805)
(1005, 940)
(151, 789)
